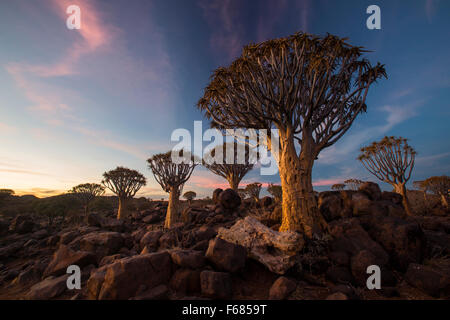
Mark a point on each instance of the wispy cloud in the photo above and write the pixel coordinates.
(352, 142)
(430, 9)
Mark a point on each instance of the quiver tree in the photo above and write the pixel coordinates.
(189, 196)
(172, 176)
(124, 183)
(253, 190)
(275, 191)
(391, 160)
(338, 186)
(439, 186)
(311, 89)
(353, 184)
(422, 186)
(216, 162)
(86, 193)
(242, 193)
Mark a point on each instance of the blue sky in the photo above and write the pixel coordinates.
(76, 103)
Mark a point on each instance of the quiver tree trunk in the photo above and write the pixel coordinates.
(444, 200)
(172, 215)
(234, 182)
(122, 212)
(299, 205)
(401, 189)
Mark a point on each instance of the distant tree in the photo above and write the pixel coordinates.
(439, 185)
(421, 185)
(391, 160)
(86, 193)
(189, 196)
(5, 193)
(309, 88)
(53, 207)
(353, 184)
(172, 177)
(275, 191)
(125, 183)
(338, 186)
(234, 172)
(253, 190)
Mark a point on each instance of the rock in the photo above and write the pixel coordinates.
(215, 196)
(437, 243)
(151, 240)
(371, 189)
(186, 281)
(65, 257)
(330, 205)
(111, 259)
(273, 249)
(340, 258)
(361, 204)
(188, 258)
(67, 237)
(216, 285)
(170, 239)
(94, 220)
(160, 292)
(100, 243)
(112, 224)
(347, 290)
(403, 240)
(266, 201)
(21, 224)
(29, 276)
(95, 282)
(229, 199)
(226, 256)
(152, 218)
(49, 288)
(40, 234)
(124, 277)
(10, 250)
(337, 296)
(429, 280)
(340, 275)
(393, 197)
(281, 288)
(350, 237)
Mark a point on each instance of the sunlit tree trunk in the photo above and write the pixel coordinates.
(172, 208)
(444, 200)
(299, 205)
(401, 189)
(234, 182)
(123, 208)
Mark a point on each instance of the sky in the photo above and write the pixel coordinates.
(77, 103)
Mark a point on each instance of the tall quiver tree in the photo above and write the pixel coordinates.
(86, 193)
(172, 177)
(311, 89)
(391, 160)
(216, 162)
(124, 183)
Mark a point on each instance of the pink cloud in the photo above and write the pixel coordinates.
(326, 182)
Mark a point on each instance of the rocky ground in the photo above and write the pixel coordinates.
(231, 250)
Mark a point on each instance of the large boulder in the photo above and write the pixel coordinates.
(403, 240)
(330, 205)
(49, 288)
(65, 257)
(216, 285)
(275, 250)
(188, 258)
(124, 277)
(371, 189)
(282, 288)
(185, 281)
(151, 240)
(100, 243)
(229, 199)
(225, 255)
(216, 194)
(430, 280)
